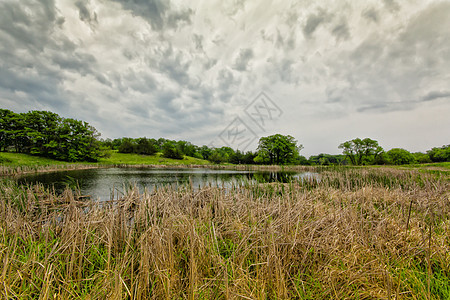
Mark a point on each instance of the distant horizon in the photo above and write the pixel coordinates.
(254, 149)
(227, 73)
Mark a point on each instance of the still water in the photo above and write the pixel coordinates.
(104, 184)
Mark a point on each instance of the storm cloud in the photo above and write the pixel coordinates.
(186, 70)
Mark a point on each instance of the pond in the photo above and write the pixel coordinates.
(109, 183)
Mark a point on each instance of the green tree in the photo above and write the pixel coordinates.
(422, 158)
(328, 159)
(361, 151)
(440, 154)
(170, 150)
(278, 149)
(18, 132)
(6, 127)
(41, 128)
(249, 158)
(77, 141)
(216, 157)
(127, 146)
(398, 156)
(187, 148)
(146, 147)
(47, 134)
(205, 151)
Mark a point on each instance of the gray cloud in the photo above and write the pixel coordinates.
(85, 15)
(171, 69)
(436, 95)
(198, 41)
(24, 29)
(176, 68)
(285, 42)
(314, 21)
(226, 83)
(371, 14)
(391, 5)
(341, 31)
(243, 59)
(417, 55)
(73, 61)
(157, 12)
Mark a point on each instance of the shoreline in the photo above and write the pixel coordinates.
(17, 171)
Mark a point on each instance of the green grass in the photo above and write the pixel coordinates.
(12, 164)
(19, 159)
(445, 165)
(136, 159)
(360, 233)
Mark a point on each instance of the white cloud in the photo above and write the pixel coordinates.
(185, 70)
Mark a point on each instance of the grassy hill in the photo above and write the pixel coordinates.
(18, 163)
(19, 159)
(136, 159)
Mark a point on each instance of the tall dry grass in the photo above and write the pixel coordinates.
(355, 234)
(6, 170)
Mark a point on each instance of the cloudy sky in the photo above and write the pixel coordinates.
(228, 72)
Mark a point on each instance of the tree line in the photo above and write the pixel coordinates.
(282, 149)
(276, 149)
(47, 134)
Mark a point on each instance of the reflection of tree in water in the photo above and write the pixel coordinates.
(266, 177)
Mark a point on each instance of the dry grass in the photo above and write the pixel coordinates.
(24, 170)
(356, 234)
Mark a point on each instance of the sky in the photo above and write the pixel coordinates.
(225, 73)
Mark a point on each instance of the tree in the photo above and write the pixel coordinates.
(146, 147)
(327, 159)
(422, 158)
(440, 154)
(205, 151)
(6, 126)
(398, 156)
(127, 146)
(186, 148)
(216, 157)
(277, 149)
(77, 141)
(41, 128)
(361, 151)
(170, 150)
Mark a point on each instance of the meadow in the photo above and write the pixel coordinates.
(357, 233)
(12, 164)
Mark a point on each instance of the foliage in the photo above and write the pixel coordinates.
(278, 149)
(440, 154)
(146, 147)
(216, 157)
(127, 146)
(171, 150)
(47, 134)
(361, 151)
(327, 159)
(398, 156)
(422, 158)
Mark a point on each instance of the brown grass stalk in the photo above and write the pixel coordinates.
(342, 237)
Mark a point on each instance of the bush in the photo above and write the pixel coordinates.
(171, 151)
(422, 158)
(398, 156)
(127, 146)
(145, 147)
(441, 154)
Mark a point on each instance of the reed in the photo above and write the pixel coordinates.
(353, 234)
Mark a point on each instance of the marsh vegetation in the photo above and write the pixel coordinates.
(355, 234)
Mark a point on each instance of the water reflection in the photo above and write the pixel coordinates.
(104, 184)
